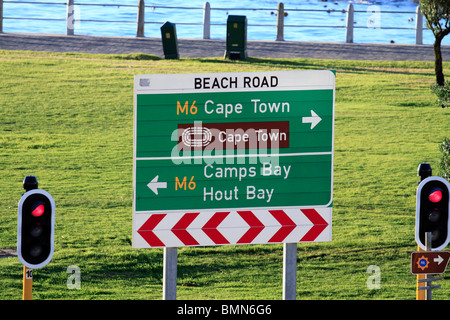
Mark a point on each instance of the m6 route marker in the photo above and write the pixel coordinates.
(233, 158)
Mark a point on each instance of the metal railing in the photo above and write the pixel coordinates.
(206, 23)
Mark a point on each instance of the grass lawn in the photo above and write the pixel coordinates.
(68, 119)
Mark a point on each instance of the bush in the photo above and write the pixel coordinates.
(442, 93)
(444, 163)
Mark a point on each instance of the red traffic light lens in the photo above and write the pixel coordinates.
(38, 211)
(435, 195)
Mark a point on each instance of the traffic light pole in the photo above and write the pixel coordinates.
(420, 294)
(424, 291)
(424, 171)
(27, 283)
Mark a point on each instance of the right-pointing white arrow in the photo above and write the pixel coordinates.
(154, 185)
(439, 259)
(314, 119)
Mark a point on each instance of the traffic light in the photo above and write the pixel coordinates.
(35, 229)
(432, 212)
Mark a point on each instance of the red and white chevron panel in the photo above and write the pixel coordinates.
(206, 228)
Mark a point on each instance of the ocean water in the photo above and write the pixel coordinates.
(372, 23)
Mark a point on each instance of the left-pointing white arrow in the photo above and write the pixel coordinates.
(154, 185)
(314, 119)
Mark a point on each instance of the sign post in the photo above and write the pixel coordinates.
(233, 158)
(427, 262)
(170, 274)
(289, 271)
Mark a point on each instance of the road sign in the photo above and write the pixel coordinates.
(429, 262)
(233, 158)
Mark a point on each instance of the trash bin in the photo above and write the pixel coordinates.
(169, 40)
(236, 38)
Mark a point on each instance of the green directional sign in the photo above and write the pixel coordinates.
(233, 140)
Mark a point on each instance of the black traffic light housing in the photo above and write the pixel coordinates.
(424, 171)
(35, 228)
(432, 212)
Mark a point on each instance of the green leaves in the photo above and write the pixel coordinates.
(444, 163)
(442, 93)
(437, 14)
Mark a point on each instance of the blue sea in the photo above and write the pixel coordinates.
(373, 19)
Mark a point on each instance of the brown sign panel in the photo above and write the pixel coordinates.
(429, 262)
(234, 135)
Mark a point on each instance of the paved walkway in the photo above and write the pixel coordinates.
(191, 48)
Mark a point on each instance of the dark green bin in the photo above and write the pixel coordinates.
(169, 40)
(236, 38)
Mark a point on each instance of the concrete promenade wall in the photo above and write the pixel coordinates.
(199, 48)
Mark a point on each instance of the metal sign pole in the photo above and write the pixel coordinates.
(170, 274)
(428, 248)
(289, 271)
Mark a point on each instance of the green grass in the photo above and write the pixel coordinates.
(68, 119)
